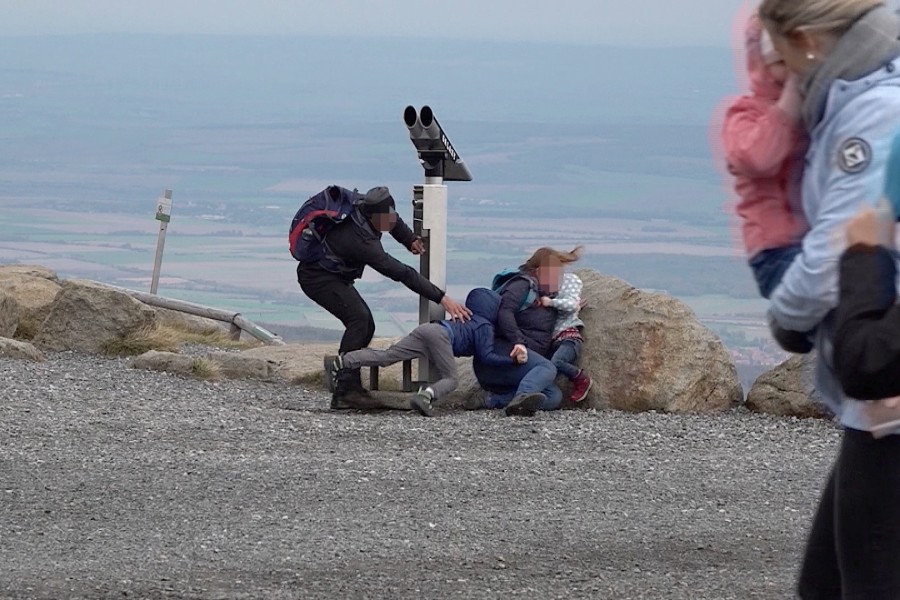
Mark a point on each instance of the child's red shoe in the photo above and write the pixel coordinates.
(580, 386)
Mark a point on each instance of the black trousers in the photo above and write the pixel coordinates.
(853, 550)
(340, 298)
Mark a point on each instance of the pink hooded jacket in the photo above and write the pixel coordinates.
(764, 148)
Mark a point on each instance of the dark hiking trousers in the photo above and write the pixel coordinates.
(853, 550)
(338, 296)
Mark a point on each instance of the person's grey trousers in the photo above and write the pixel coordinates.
(430, 341)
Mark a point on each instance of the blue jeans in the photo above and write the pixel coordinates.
(565, 358)
(537, 374)
(769, 266)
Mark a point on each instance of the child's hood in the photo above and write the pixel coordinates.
(484, 303)
(761, 82)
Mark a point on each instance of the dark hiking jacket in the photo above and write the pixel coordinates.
(354, 244)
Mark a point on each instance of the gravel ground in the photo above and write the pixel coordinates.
(121, 483)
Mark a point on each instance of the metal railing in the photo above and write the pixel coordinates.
(238, 323)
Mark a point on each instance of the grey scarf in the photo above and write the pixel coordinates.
(870, 43)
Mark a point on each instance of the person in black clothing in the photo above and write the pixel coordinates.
(859, 511)
(349, 247)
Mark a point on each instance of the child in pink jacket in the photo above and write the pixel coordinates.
(764, 143)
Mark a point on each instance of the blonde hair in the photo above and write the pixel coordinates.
(545, 256)
(821, 16)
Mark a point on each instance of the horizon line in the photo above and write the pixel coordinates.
(381, 38)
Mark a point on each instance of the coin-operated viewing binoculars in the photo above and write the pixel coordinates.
(436, 153)
(441, 163)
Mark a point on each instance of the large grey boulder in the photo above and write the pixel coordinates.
(20, 350)
(788, 390)
(34, 289)
(647, 351)
(9, 314)
(86, 316)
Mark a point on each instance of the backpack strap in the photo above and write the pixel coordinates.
(530, 297)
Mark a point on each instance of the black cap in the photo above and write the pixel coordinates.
(378, 200)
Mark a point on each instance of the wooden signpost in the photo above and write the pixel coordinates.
(163, 215)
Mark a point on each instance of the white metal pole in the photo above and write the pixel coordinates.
(434, 219)
(434, 230)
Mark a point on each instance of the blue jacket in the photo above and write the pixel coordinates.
(475, 337)
(844, 172)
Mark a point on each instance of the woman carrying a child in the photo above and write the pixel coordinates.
(846, 55)
(534, 330)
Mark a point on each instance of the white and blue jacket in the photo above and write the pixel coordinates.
(844, 171)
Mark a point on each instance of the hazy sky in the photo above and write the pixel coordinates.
(631, 22)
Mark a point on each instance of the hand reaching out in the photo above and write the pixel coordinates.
(457, 311)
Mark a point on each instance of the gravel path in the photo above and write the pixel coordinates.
(116, 483)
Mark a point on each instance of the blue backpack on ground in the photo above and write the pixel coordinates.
(315, 218)
(502, 279)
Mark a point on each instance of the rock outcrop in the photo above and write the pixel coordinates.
(86, 316)
(788, 390)
(238, 365)
(9, 314)
(648, 351)
(170, 362)
(34, 289)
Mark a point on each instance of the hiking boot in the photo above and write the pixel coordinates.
(349, 379)
(348, 389)
(580, 386)
(340, 397)
(421, 401)
(357, 387)
(525, 405)
(339, 402)
(348, 398)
